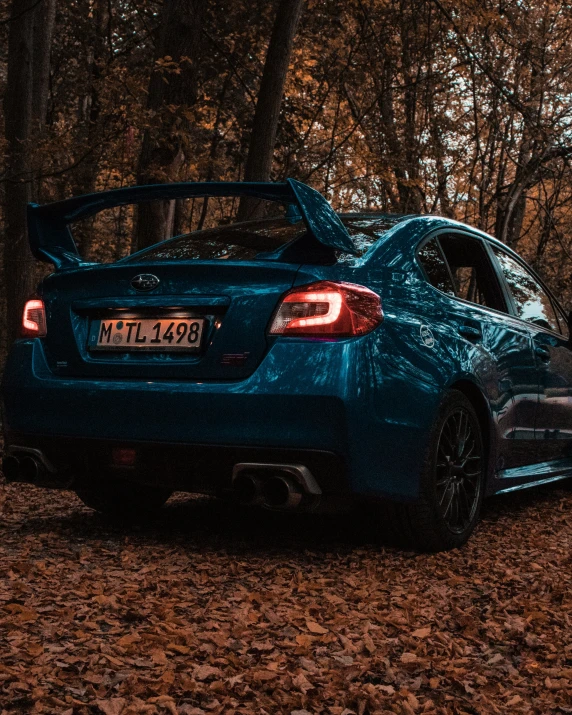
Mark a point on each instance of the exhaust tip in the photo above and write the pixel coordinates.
(11, 468)
(29, 470)
(281, 493)
(247, 489)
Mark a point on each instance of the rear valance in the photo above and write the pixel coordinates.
(51, 239)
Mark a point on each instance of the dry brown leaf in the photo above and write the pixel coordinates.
(205, 672)
(302, 683)
(368, 643)
(20, 613)
(264, 675)
(304, 640)
(316, 628)
(113, 706)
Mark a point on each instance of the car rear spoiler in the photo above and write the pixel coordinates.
(52, 241)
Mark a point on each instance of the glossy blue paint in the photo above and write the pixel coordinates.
(369, 400)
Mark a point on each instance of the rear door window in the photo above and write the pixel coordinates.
(473, 275)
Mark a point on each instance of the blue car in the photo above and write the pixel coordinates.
(304, 362)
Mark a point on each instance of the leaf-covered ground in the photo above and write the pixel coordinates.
(214, 610)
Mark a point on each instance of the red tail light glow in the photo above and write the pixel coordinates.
(328, 310)
(123, 457)
(34, 319)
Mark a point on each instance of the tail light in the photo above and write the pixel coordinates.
(34, 319)
(327, 310)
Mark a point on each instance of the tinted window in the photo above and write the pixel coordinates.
(236, 242)
(435, 267)
(532, 302)
(473, 274)
(255, 240)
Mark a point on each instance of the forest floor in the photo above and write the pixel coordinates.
(216, 610)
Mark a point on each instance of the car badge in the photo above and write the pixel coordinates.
(427, 337)
(145, 282)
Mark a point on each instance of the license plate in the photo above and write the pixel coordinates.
(161, 334)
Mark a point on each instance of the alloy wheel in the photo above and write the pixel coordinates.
(459, 469)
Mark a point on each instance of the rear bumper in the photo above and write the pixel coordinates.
(306, 404)
(197, 468)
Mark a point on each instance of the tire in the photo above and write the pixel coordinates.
(123, 501)
(452, 482)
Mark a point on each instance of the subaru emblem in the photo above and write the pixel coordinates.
(145, 282)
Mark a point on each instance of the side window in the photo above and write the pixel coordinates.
(532, 302)
(473, 274)
(431, 259)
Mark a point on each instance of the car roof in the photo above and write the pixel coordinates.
(439, 223)
(443, 222)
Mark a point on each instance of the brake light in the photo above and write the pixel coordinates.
(34, 319)
(123, 457)
(327, 310)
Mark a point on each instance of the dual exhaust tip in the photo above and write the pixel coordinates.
(31, 466)
(273, 486)
(275, 492)
(22, 469)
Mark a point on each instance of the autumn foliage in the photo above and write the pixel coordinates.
(400, 106)
(209, 610)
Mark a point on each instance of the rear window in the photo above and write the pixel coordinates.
(237, 242)
(257, 240)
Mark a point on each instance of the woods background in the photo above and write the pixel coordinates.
(395, 105)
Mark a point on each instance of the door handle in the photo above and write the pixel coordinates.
(542, 352)
(467, 331)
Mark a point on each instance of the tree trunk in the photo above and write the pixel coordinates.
(25, 104)
(44, 21)
(85, 176)
(173, 89)
(412, 198)
(267, 113)
(395, 155)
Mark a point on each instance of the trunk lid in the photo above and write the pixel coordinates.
(235, 300)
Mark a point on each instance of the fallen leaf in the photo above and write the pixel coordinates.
(22, 614)
(314, 627)
(113, 706)
(204, 672)
(302, 683)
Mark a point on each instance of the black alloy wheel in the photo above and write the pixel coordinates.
(451, 482)
(458, 470)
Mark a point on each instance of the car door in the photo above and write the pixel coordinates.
(534, 305)
(495, 346)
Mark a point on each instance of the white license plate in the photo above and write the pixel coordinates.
(147, 334)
